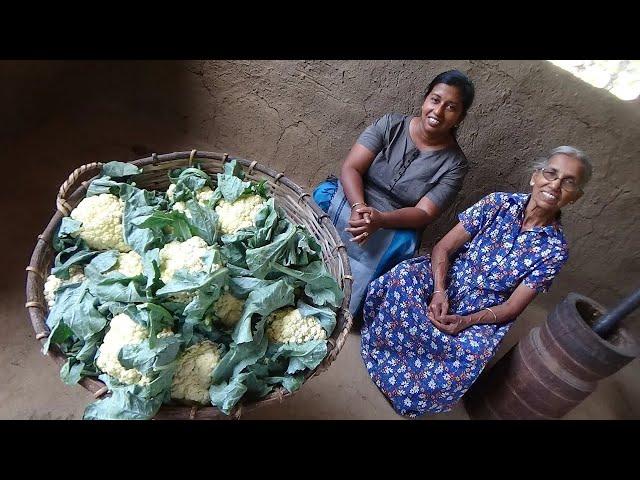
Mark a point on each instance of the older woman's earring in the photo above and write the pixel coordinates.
(531, 183)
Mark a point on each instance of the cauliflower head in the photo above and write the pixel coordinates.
(122, 331)
(228, 309)
(202, 196)
(166, 332)
(129, 264)
(181, 207)
(178, 255)
(53, 283)
(182, 297)
(171, 191)
(101, 217)
(193, 374)
(239, 214)
(287, 325)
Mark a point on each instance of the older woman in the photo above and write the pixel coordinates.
(429, 329)
(400, 175)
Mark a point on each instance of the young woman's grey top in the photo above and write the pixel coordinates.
(401, 174)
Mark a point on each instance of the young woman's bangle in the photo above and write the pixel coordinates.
(444, 292)
(358, 203)
(495, 318)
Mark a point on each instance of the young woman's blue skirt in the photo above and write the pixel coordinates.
(382, 251)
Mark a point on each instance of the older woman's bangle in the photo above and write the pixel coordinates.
(439, 291)
(358, 203)
(495, 318)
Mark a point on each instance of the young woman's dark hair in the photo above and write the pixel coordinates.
(455, 78)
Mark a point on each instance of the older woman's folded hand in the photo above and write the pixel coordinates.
(439, 305)
(451, 324)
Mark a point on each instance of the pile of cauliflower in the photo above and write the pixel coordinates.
(169, 314)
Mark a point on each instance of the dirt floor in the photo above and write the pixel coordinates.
(29, 384)
(31, 388)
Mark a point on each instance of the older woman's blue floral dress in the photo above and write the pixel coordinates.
(423, 370)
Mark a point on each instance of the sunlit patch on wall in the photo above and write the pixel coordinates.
(619, 77)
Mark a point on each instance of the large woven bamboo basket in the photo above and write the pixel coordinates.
(297, 205)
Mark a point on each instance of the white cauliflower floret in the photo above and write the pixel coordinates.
(166, 332)
(193, 374)
(51, 286)
(228, 309)
(122, 331)
(239, 214)
(129, 264)
(181, 207)
(171, 190)
(287, 325)
(185, 255)
(101, 217)
(53, 283)
(182, 297)
(202, 196)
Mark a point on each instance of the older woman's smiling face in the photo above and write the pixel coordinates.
(555, 194)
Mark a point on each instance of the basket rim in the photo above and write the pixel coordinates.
(35, 276)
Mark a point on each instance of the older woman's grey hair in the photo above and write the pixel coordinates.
(579, 155)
